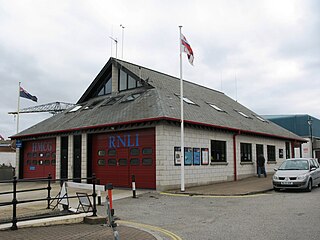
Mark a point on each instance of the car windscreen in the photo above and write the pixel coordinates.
(294, 165)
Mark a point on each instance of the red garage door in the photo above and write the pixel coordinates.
(118, 156)
(39, 158)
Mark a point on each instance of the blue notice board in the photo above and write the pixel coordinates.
(188, 156)
(196, 156)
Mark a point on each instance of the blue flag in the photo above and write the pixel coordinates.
(25, 94)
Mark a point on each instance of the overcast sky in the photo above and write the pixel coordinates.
(265, 54)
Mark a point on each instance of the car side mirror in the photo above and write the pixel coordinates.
(313, 168)
(275, 169)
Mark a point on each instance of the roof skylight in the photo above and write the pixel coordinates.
(260, 118)
(216, 107)
(242, 114)
(76, 108)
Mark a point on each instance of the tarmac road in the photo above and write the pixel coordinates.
(283, 215)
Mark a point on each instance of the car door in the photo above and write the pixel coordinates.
(317, 171)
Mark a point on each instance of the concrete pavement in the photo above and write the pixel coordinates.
(247, 186)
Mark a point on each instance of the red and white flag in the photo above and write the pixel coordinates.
(187, 49)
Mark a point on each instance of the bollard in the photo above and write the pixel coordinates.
(134, 186)
(109, 187)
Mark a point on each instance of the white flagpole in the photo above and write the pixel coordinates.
(18, 110)
(182, 124)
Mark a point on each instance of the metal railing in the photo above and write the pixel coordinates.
(15, 201)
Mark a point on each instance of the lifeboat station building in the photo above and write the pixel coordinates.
(128, 123)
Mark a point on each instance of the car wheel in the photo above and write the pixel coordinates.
(276, 189)
(309, 187)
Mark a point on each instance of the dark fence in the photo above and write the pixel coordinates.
(48, 197)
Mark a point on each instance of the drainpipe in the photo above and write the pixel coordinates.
(235, 155)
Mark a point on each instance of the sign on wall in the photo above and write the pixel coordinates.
(188, 156)
(204, 156)
(177, 156)
(196, 156)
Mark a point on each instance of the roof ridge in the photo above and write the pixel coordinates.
(158, 72)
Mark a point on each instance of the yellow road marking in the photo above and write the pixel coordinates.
(212, 196)
(166, 232)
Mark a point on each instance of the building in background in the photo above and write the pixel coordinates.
(305, 126)
(7, 153)
(128, 123)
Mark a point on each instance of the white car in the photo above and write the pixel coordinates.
(297, 173)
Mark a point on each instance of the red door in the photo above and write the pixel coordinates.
(119, 155)
(39, 158)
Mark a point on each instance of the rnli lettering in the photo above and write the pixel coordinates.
(124, 141)
(42, 147)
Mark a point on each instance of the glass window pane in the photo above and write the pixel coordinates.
(122, 81)
(122, 162)
(112, 162)
(28, 162)
(147, 161)
(147, 151)
(47, 162)
(108, 86)
(53, 155)
(34, 162)
(101, 92)
(101, 162)
(29, 155)
(112, 152)
(134, 161)
(131, 82)
(53, 162)
(101, 153)
(134, 151)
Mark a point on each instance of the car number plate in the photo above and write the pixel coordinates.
(286, 183)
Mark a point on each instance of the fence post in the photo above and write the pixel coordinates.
(94, 195)
(49, 191)
(14, 204)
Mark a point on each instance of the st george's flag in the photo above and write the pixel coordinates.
(187, 49)
(25, 94)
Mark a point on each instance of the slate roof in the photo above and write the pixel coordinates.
(159, 99)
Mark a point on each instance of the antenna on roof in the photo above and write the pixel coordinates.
(122, 40)
(116, 41)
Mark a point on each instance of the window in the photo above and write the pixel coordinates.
(101, 153)
(246, 152)
(123, 162)
(112, 162)
(111, 101)
(271, 153)
(112, 152)
(242, 114)
(185, 99)
(93, 104)
(218, 151)
(106, 88)
(147, 151)
(147, 161)
(53, 162)
(29, 155)
(134, 162)
(260, 118)
(216, 107)
(46, 162)
(76, 108)
(134, 151)
(34, 162)
(127, 82)
(101, 162)
(132, 97)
